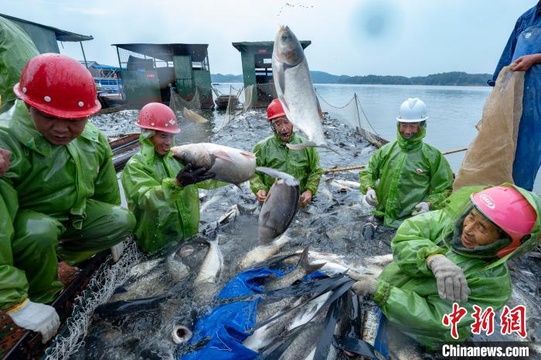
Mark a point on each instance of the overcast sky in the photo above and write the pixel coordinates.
(350, 37)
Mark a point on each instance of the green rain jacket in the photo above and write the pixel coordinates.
(16, 49)
(53, 180)
(166, 213)
(302, 164)
(407, 291)
(404, 173)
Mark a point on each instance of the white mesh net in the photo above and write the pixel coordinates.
(70, 337)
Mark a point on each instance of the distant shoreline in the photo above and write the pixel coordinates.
(454, 78)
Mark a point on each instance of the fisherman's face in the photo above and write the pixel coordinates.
(58, 131)
(478, 230)
(283, 127)
(162, 142)
(409, 130)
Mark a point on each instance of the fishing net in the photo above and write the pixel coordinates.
(353, 115)
(177, 103)
(100, 288)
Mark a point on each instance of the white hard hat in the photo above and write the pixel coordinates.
(412, 110)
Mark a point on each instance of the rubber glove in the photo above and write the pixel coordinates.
(420, 208)
(452, 284)
(187, 176)
(117, 251)
(366, 285)
(371, 197)
(36, 317)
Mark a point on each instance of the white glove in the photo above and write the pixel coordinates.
(366, 285)
(452, 284)
(420, 208)
(371, 197)
(117, 251)
(37, 317)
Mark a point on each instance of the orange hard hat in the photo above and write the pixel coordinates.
(157, 116)
(59, 86)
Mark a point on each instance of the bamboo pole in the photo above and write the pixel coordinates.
(360, 167)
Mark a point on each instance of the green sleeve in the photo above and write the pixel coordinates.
(372, 171)
(13, 282)
(314, 176)
(441, 183)
(256, 182)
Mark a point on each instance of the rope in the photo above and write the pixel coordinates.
(360, 167)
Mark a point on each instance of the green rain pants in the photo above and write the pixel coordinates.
(40, 241)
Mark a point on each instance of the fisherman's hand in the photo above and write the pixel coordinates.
(371, 197)
(4, 161)
(366, 285)
(420, 208)
(117, 251)
(452, 284)
(188, 176)
(36, 317)
(305, 198)
(524, 63)
(261, 195)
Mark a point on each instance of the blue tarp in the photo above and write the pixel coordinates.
(228, 325)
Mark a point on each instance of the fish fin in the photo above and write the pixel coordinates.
(223, 155)
(305, 263)
(248, 154)
(192, 115)
(310, 144)
(301, 145)
(288, 179)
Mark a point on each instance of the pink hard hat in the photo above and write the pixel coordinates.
(509, 210)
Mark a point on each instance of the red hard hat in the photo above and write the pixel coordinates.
(275, 110)
(509, 210)
(59, 86)
(157, 116)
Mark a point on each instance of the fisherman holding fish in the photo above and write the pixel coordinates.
(455, 255)
(160, 190)
(273, 152)
(60, 196)
(406, 177)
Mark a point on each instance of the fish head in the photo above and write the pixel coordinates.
(194, 154)
(287, 48)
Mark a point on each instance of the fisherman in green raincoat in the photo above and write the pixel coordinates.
(406, 177)
(60, 197)
(272, 152)
(160, 191)
(454, 255)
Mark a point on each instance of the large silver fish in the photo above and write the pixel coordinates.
(280, 206)
(294, 88)
(229, 164)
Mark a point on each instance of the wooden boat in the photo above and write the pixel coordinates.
(19, 344)
(223, 101)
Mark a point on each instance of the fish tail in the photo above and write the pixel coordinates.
(305, 264)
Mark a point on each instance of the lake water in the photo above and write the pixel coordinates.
(453, 111)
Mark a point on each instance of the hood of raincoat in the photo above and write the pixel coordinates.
(413, 142)
(459, 209)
